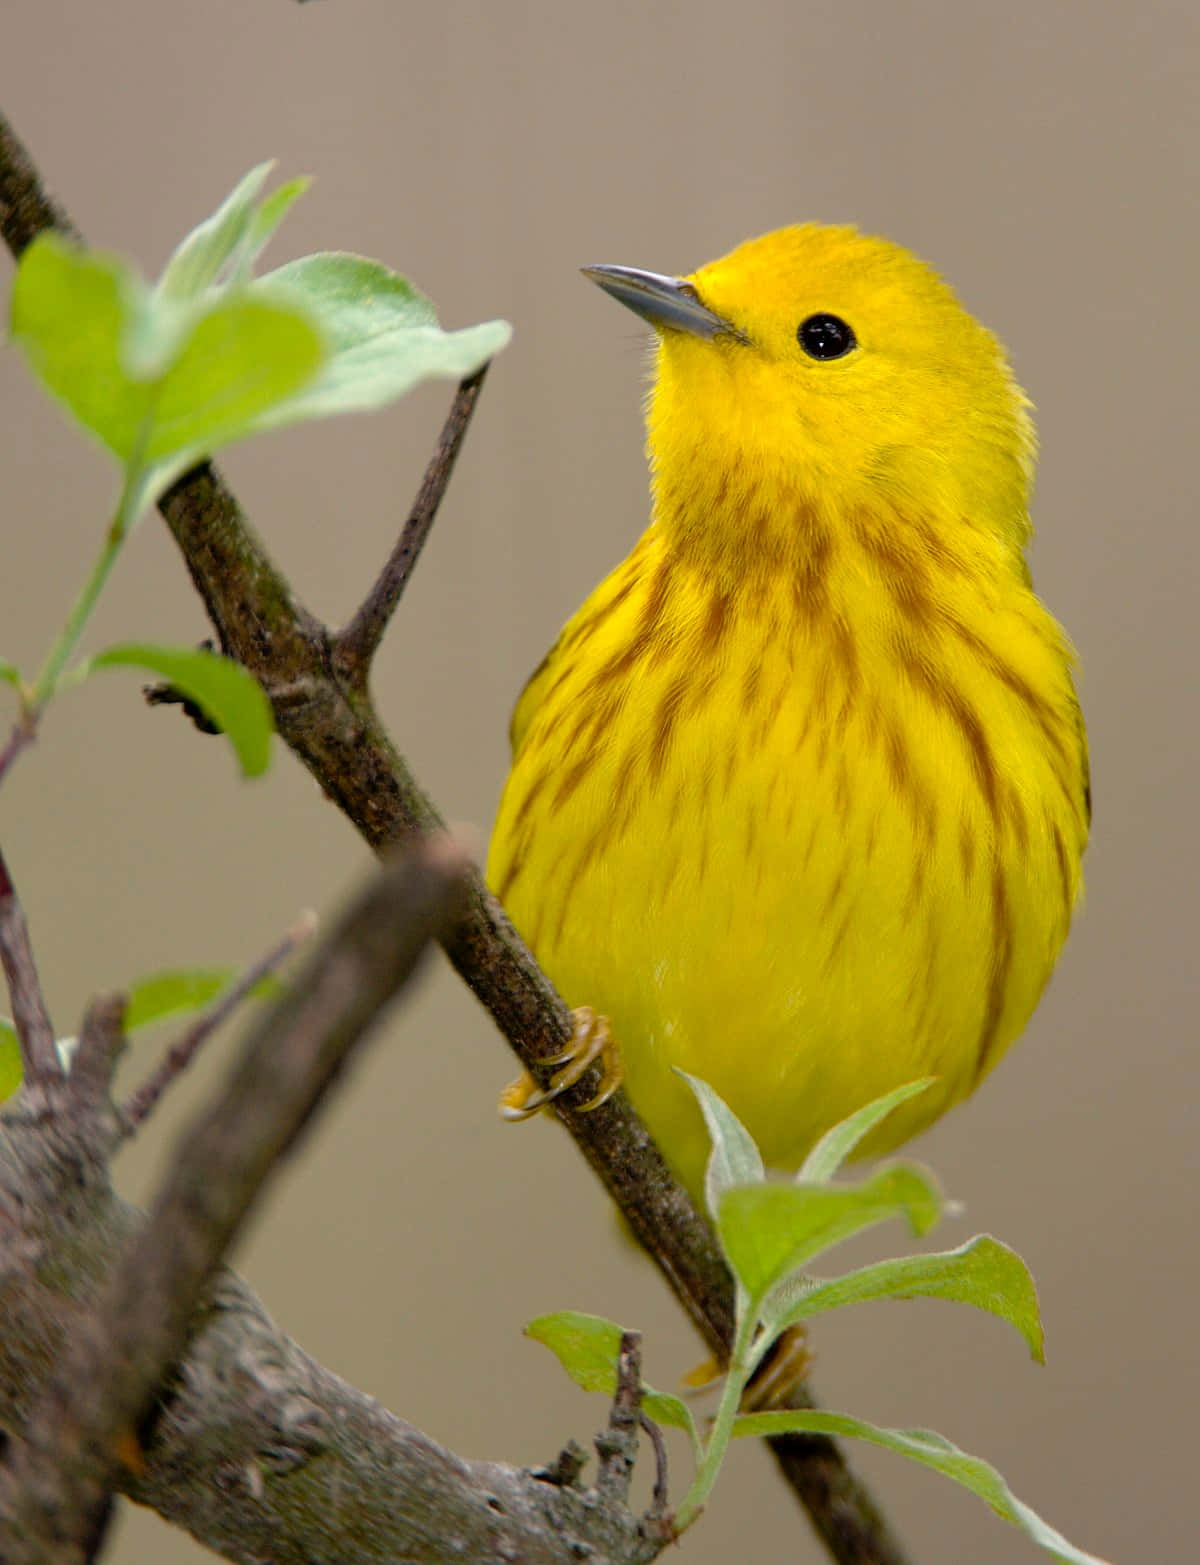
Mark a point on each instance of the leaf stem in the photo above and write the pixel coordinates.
(132, 494)
(741, 1366)
(81, 611)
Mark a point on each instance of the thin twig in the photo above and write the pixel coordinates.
(101, 1042)
(141, 1103)
(336, 734)
(355, 646)
(659, 1499)
(94, 1412)
(23, 733)
(563, 1472)
(35, 1032)
(617, 1446)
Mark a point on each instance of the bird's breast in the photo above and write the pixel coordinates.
(789, 824)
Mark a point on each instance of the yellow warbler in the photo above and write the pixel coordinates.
(799, 796)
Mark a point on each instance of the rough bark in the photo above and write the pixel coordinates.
(257, 1451)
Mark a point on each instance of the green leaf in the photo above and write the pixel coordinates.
(217, 256)
(735, 1159)
(72, 313)
(10, 673)
(247, 353)
(223, 690)
(10, 1059)
(587, 1347)
(383, 336)
(165, 377)
(69, 310)
(174, 993)
(836, 1145)
(200, 255)
(931, 1450)
(767, 1231)
(983, 1272)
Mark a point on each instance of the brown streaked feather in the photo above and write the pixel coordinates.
(1002, 954)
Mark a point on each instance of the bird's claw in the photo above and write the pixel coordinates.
(591, 1042)
(786, 1366)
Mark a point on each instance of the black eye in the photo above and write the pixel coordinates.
(826, 337)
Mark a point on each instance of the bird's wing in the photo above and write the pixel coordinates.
(530, 698)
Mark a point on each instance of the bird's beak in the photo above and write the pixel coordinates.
(668, 303)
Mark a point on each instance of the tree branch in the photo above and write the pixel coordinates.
(56, 1486)
(336, 733)
(26, 208)
(333, 729)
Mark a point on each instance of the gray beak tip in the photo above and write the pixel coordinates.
(668, 303)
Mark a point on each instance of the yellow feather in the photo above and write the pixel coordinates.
(799, 797)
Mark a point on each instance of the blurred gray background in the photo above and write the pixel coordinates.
(1043, 157)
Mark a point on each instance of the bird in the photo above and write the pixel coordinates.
(799, 797)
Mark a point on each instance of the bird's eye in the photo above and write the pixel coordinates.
(826, 337)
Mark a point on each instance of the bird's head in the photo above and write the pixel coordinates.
(818, 369)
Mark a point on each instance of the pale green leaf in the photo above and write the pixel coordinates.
(10, 673)
(164, 379)
(734, 1159)
(72, 311)
(931, 1450)
(69, 311)
(200, 255)
(246, 354)
(587, 1347)
(836, 1145)
(383, 337)
(768, 1231)
(221, 688)
(983, 1273)
(10, 1059)
(217, 255)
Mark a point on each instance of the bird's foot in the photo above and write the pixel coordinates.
(786, 1366)
(591, 1042)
